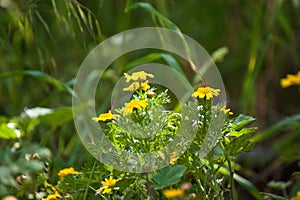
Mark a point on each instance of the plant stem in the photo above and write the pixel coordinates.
(231, 181)
(89, 181)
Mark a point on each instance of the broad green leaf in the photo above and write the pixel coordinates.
(168, 176)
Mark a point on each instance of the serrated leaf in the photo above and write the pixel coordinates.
(168, 176)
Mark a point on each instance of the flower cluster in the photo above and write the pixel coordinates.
(107, 185)
(62, 173)
(134, 104)
(290, 80)
(138, 78)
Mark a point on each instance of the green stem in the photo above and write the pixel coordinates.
(89, 181)
(231, 181)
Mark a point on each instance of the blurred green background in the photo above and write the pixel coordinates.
(43, 43)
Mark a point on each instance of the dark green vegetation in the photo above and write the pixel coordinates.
(43, 43)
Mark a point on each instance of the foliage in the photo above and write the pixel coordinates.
(255, 43)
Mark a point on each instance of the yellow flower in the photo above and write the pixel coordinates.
(105, 189)
(290, 80)
(139, 104)
(226, 110)
(105, 116)
(137, 76)
(206, 91)
(173, 193)
(109, 182)
(133, 86)
(296, 197)
(62, 173)
(145, 86)
(136, 85)
(53, 196)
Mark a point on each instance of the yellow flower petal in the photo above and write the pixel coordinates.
(145, 86)
(133, 86)
(290, 80)
(141, 75)
(105, 116)
(129, 107)
(207, 92)
(109, 182)
(173, 193)
(62, 173)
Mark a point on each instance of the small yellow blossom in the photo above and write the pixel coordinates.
(53, 196)
(290, 80)
(145, 86)
(105, 189)
(207, 92)
(62, 173)
(226, 110)
(139, 104)
(133, 86)
(137, 76)
(296, 197)
(173, 193)
(109, 182)
(136, 85)
(105, 116)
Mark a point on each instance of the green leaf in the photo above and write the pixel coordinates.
(273, 196)
(58, 117)
(7, 133)
(242, 120)
(168, 176)
(148, 7)
(296, 173)
(41, 76)
(242, 132)
(279, 185)
(49, 116)
(248, 186)
(219, 54)
(171, 61)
